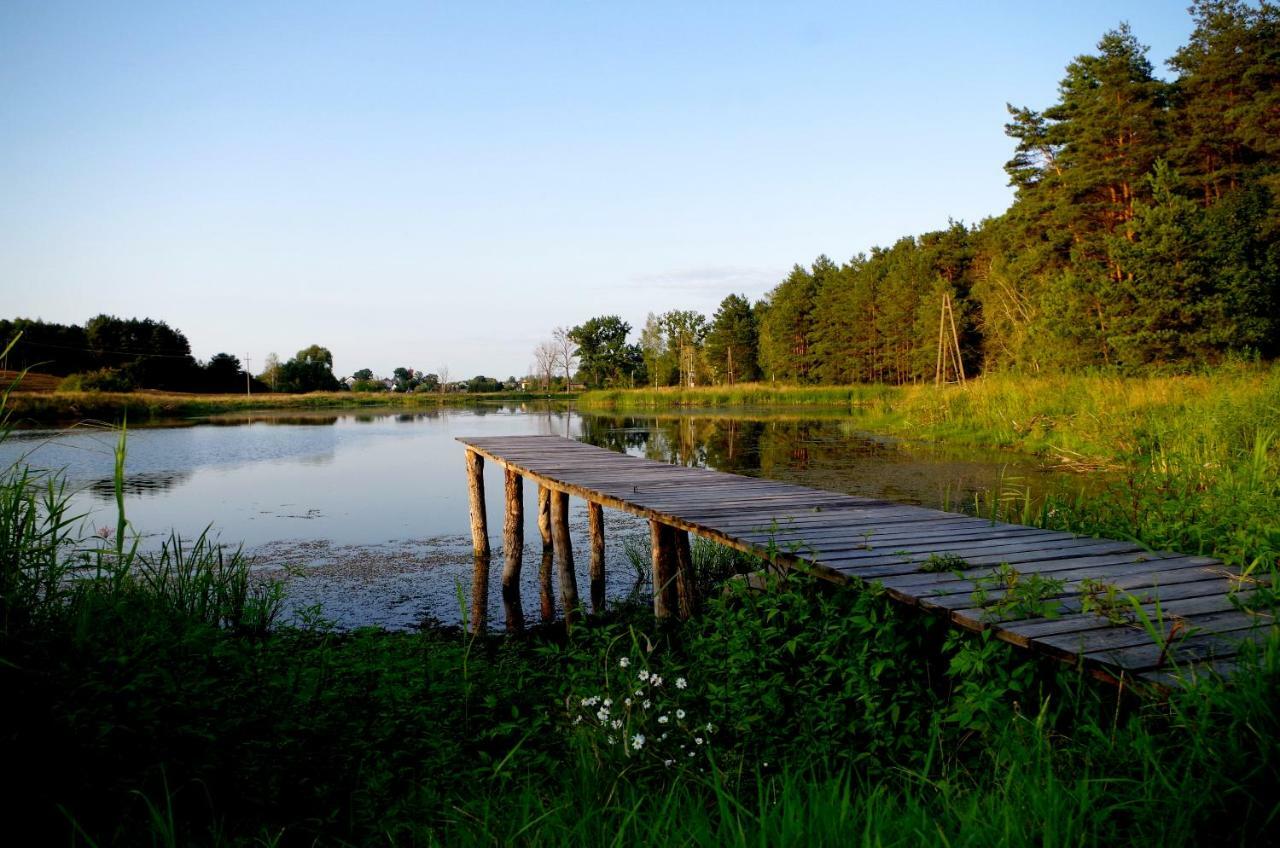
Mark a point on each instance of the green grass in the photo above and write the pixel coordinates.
(139, 407)
(155, 697)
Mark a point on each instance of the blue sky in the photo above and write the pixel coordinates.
(430, 184)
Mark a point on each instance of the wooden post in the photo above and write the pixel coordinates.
(595, 522)
(480, 594)
(686, 589)
(479, 542)
(513, 549)
(662, 541)
(546, 584)
(564, 555)
(475, 491)
(544, 517)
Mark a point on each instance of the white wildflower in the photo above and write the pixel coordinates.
(681, 683)
(655, 680)
(663, 719)
(616, 723)
(608, 702)
(646, 703)
(624, 662)
(643, 674)
(708, 727)
(697, 740)
(603, 714)
(679, 713)
(668, 763)
(609, 739)
(637, 741)
(626, 702)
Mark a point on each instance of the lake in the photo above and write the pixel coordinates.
(364, 512)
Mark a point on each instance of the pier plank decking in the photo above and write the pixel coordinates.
(1194, 600)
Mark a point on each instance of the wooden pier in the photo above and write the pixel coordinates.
(975, 572)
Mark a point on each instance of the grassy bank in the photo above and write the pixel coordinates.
(55, 407)
(1099, 417)
(156, 698)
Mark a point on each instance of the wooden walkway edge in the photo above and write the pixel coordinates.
(1081, 586)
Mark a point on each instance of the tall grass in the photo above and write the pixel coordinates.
(152, 698)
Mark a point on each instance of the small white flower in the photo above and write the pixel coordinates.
(663, 719)
(655, 680)
(679, 713)
(639, 692)
(609, 739)
(626, 702)
(624, 662)
(577, 719)
(665, 735)
(643, 674)
(603, 714)
(637, 741)
(668, 763)
(697, 740)
(616, 723)
(681, 683)
(646, 703)
(608, 702)
(708, 727)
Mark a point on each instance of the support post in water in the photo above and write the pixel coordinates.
(564, 555)
(475, 492)
(546, 580)
(480, 543)
(544, 517)
(662, 540)
(595, 522)
(686, 590)
(513, 549)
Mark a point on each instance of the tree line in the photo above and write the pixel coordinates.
(1142, 235)
(120, 354)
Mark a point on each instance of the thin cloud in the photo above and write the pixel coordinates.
(712, 279)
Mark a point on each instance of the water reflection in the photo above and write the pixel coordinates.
(830, 453)
(238, 419)
(138, 484)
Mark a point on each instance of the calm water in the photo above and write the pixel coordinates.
(368, 509)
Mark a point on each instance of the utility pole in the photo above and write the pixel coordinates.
(248, 389)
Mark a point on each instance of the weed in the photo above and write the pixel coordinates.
(1106, 601)
(1007, 593)
(940, 563)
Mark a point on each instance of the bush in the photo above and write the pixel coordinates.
(101, 380)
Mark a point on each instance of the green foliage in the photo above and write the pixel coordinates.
(311, 370)
(603, 353)
(942, 563)
(1008, 594)
(101, 380)
(733, 344)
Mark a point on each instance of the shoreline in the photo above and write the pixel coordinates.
(66, 407)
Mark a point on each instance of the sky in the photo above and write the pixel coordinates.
(439, 185)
